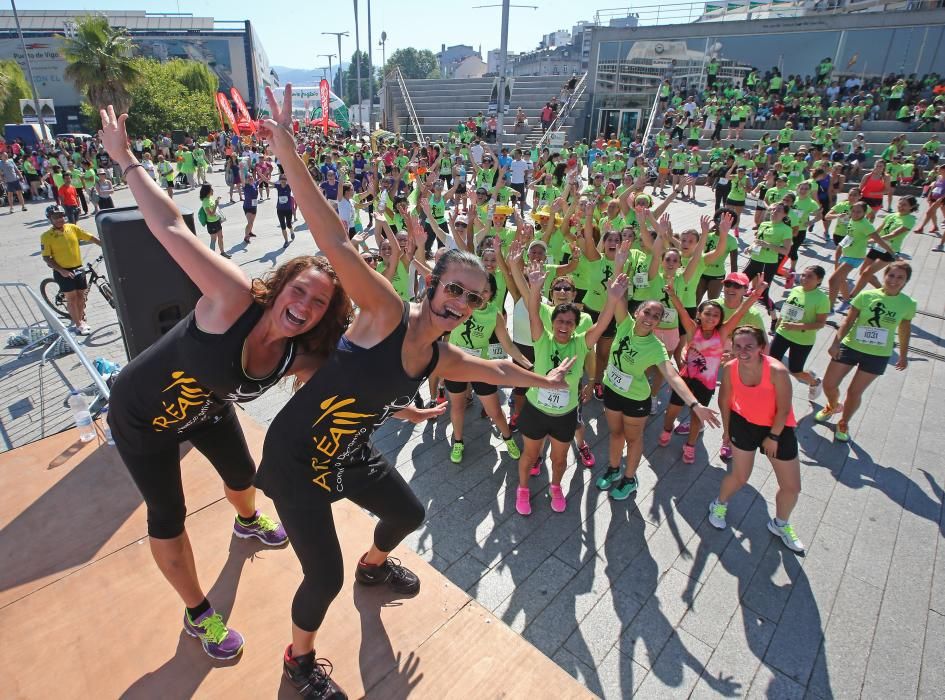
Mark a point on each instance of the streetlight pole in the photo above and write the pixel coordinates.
(383, 43)
(357, 53)
(341, 86)
(329, 56)
(370, 60)
(43, 132)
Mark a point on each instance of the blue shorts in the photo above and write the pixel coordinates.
(852, 262)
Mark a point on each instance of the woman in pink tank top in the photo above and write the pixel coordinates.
(755, 401)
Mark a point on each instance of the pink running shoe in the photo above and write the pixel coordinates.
(587, 457)
(665, 437)
(726, 451)
(683, 428)
(558, 504)
(536, 468)
(522, 503)
(688, 453)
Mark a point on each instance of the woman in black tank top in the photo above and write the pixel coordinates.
(240, 340)
(317, 448)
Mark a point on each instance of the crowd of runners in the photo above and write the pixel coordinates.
(467, 268)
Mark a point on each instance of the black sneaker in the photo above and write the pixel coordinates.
(311, 679)
(400, 578)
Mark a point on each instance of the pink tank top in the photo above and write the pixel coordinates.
(704, 358)
(874, 187)
(756, 404)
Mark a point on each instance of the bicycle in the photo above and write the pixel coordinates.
(56, 299)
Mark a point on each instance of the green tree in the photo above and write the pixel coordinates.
(196, 77)
(163, 102)
(413, 63)
(13, 88)
(101, 64)
(351, 78)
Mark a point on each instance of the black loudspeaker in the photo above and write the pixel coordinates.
(152, 293)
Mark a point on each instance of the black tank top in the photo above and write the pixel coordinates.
(318, 445)
(186, 378)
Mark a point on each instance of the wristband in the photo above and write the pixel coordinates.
(124, 173)
(693, 404)
(774, 437)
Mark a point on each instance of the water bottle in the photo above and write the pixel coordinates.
(82, 417)
(105, 429)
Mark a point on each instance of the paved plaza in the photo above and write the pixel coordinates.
(644, 596)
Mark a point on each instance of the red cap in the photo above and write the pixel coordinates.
(738, 278)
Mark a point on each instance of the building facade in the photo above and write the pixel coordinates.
(627, 64)
(231, 49)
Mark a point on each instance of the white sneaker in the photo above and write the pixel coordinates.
(84, 329)
(816, 389)
(787, 535)
(717, 512)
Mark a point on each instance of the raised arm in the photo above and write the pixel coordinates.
(368, 289)
(222, 283)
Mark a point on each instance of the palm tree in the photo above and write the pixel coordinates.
(101, 63)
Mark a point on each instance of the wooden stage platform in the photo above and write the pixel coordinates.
(85, 613)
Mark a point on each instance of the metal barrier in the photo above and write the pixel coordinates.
(18, 307)
(565, 112)
(651, 120)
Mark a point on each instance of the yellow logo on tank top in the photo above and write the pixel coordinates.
(189, 395)
(337, 425)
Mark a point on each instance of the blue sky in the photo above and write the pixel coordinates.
(292, 35)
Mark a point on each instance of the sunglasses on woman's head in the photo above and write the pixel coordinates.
(475, 300)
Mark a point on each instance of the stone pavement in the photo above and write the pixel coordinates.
(644, 597)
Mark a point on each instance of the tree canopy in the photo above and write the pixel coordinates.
(13, 88)
(100, 62)
(176, 94)
(414, 63)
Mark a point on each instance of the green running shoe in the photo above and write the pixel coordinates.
(622, 489)
(456, 454)
(609, 477)
(514, 452)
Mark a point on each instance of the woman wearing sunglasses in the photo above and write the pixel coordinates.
(318, 450)
(475, 338)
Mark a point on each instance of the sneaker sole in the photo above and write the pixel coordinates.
(253, 535)
(219, 657)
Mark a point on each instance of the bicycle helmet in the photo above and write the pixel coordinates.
(54, 210)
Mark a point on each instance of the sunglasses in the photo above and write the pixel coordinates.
(371, 258)
(474, 300)
(733, 285)
(562, 288)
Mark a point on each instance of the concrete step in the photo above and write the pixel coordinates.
(913, 137)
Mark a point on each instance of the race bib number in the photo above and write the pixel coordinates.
(641, 279)
(473, 352)
(496, 351)
(792, 313)
(846, 242)
(254, 202)
(872, 336)
(554, 398)
(723, 181)
(669, 315)
(620, 380)
(283, 199)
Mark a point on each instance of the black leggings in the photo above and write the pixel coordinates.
(311, 530)
(285, 219)
(721, 194)
(767, 271)
(155, 469)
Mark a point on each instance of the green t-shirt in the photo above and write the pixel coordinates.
(473, 335)
(890, 224)
(752, 317)
(207, 204)
(400, 281)
(630, 357)
(774, 233)
(807, 206)
(548, 355)
(875, 327)
(687, 291)
(717, 269)
(597, 275)
(803, 307)
(857, 235)
(638, 270)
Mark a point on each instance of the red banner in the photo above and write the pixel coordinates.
(246, 122)
(324, 95)
(223, 104)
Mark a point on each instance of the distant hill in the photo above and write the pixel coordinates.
(301, 76)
